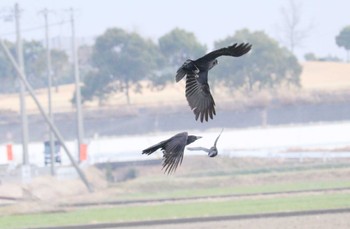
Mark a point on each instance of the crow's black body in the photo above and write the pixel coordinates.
(173, 150)
(212, 152)
(196, 71)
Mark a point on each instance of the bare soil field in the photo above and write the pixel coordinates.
(46, 193)
(325, 76)
(327, 221)
(316, 76)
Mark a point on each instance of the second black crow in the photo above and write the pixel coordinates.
(173, 150)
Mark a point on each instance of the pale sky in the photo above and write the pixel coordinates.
(209, 20)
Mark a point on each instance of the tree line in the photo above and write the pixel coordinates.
(119, 61)
(35, 65)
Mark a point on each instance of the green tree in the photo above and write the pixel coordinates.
(34, 55)
(268, 65)
(35, 61)
(179, 45)
(119, 60)
(7, 72)
(61, 68)
(175, 47)
(310, 57)
(35, 65)
(343, 40)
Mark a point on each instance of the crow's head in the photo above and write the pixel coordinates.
(192, 138)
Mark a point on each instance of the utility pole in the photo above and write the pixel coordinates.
(80, 128)
(26, 167)
(46, 118)
(49, 86)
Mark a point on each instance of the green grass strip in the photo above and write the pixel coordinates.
(179, 210)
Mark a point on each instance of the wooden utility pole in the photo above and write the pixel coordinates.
(45, 12)
(26, 174)
(80, 127)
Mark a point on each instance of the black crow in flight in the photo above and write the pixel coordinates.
(173, 150)
(196, 71)
(212, 152)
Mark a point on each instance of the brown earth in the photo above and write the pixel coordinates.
(316, 76)
(339, 221)
(325, 76)
(47, 193)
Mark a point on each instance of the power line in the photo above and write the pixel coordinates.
(36, 28)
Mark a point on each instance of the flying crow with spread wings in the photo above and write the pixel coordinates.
(173, 150)
(196, 71)
(212, 152)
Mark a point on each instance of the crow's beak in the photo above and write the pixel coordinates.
(198, 137)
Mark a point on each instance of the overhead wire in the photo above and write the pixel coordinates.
(36, 28)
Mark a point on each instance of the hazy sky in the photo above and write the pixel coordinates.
(209, 20)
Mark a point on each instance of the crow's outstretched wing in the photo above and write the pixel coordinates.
(198, 149)
(233, 50)
(174, 152)
(199, 97)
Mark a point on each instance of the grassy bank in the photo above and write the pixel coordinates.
(203, 208)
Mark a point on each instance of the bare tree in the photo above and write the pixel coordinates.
(291, 27)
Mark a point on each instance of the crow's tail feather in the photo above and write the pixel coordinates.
(153, 148)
